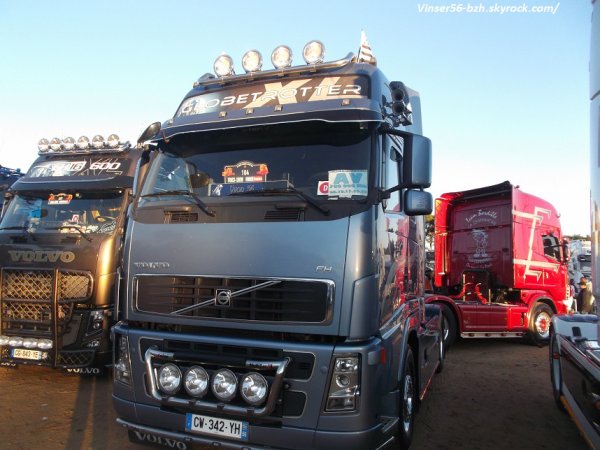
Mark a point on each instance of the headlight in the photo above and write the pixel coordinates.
(344, 387)
(55, 144)
(169, 378)
(224, 384)
(122, 367)
(314, 52)
(83, 142)
(252, 61)
(196, 381)
(223, 66)
(69, 143)
(43, 145)
(282, 57)
(30, 342)
(4, 340)
(44, 344)
(15, 341)
(254, 388)
(113, 141)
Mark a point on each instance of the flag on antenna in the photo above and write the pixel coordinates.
(365, 54)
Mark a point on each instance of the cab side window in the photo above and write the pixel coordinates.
(551, 246)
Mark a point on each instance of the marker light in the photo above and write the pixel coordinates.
(43, 145)
(223, 65)
(169, 378)
(97, 141)
(55, 144)
(196, 381)
(83, 142)
(69, 143)
(30, 342)
(252, 61)
(314, 52)
(254, 388)
(44, 344)
(15, 341)
(224, 385)
(282, 57)
(113, 141)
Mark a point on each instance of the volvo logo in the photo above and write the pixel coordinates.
(223, 298)
(41, 256)
(152, 265)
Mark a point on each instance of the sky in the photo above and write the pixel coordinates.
(504, 84)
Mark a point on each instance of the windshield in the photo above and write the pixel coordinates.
(65, 212)
(317, 160)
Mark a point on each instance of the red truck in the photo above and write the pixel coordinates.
(501, 264)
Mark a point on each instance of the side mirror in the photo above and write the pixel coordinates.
(149, 133)
(416, 159)
(417, 203)
(416, 162)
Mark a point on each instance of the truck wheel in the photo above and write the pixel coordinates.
(408, 402)
(555, 370)
(539, 324)
(449, 328)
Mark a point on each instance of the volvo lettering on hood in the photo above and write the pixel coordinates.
(41, 256)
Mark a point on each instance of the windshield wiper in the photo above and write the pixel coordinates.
(287, 191)
(75, 227)
(197, 200)
(23, 228)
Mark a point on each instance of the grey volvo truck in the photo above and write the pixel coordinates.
(274, 263)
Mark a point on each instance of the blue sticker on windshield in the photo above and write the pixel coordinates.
(348, 183)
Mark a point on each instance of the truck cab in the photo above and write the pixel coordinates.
(274, 263)
(61, 236)
(501, 263)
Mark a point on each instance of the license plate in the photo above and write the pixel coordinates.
(233, 429)
(23, 353)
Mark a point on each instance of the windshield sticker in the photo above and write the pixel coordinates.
(223, 190)
(347, 183)
(245, 172)
(60, 199)
(323, 188)
(276, 93)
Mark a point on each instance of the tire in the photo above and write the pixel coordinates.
(449, 327)
(408, 402)
(441, 350)
(539, 324)
(555, 370)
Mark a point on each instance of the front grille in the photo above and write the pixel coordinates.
(75, 358)
(28, 296)
(249, 299)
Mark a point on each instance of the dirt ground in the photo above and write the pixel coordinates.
(491, 395)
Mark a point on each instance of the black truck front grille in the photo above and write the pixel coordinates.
(308, 301)
(28, 297)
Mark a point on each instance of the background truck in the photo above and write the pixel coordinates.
(61, 236)
(575, 339)
(274, 262)
(7, 178)
(580, 260)
(500, 263)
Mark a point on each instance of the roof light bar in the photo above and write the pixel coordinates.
(82, 145)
